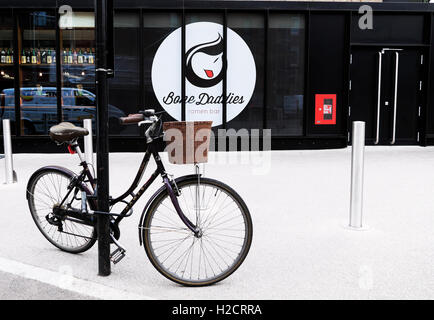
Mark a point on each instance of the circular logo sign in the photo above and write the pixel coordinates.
(204, 71)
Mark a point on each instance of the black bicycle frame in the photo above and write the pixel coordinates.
(169, 184)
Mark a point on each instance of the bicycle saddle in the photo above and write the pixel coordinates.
(66, 131)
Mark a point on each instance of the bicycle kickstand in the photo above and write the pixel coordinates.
(119, 253)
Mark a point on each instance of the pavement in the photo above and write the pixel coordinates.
(302, 248)
(15, 287)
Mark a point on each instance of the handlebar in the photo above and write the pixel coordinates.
(132, 118)
(146, 116)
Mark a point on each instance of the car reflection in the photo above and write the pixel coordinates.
(39, 108)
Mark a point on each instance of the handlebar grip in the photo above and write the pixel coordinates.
(132, 118)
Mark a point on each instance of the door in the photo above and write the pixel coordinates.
(385, 92)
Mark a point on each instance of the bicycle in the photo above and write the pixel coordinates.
(195, 230)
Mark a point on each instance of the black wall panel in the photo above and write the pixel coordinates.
(389, 28)
(328, 60)
(430, 88)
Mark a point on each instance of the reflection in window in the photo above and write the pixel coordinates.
(37, 42)
(7, 100)
(157, 26)
(77, 55)
(124, 92)
(251, 28)
(286, 81)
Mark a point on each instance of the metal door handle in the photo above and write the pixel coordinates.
(380, 57)
(395, 102)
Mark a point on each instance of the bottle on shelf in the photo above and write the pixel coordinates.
(92, 56)
(74, 56)
(38, 56)
(23, 57)
(69, 56)
(12, 56)
(53, 57)
(49, 57)
(44, 56)
(8, 56)
(65, 57)
(2, 56)
(80, 57)
(33, 57)
(28, 54)
(85, 56)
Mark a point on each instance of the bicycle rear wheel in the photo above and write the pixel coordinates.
(45, 190)
(225, 239)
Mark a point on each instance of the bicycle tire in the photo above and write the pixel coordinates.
(31, 187)
(162, 195)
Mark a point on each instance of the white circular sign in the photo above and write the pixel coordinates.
(204, 68)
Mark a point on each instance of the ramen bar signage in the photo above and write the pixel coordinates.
(204, 68)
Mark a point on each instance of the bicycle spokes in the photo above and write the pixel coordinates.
(49, 192)
(206, 255)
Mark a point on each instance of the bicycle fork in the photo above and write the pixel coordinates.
(197, 232)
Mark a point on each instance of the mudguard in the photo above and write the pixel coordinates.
(152, 199)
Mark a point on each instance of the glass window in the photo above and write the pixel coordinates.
(124, 93)
(286, 75)
(7, 100)
(157, 27)
(250, 27)
(77, 55)
(203, 16)
(37, 42)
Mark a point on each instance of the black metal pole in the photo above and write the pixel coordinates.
(225, 74)
(103, 222)
(183, 61)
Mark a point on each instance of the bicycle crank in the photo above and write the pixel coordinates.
(54, 221)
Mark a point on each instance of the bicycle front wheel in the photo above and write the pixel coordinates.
(206, 258)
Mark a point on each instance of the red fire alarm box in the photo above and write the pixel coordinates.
(325, 109)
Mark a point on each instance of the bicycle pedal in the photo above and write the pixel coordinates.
(117, 255)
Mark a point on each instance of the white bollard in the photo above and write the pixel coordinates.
(357, 164)
(88, 144)
(9, 166)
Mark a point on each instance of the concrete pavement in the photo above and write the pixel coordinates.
(301, 249)
(14, 287)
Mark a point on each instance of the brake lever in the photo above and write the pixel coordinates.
(144, 122)
(149, 120)
(152, 111)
